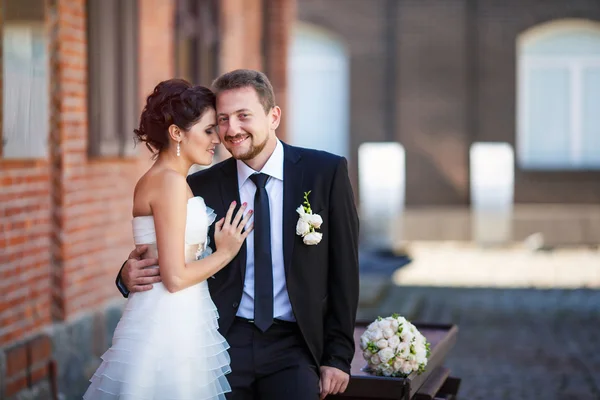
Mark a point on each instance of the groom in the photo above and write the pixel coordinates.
(287, 308)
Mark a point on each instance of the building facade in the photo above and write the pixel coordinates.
(75, 77)
(438, 76)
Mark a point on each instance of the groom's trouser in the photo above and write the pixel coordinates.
(271, 365)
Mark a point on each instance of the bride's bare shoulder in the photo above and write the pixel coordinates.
(156, 183)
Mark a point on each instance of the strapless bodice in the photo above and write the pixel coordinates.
(199, 218)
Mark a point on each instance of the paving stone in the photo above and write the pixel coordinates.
(518, 344)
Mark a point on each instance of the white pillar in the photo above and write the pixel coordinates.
(381, 181)
(492, 192)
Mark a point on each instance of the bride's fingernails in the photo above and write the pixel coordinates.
(245, 204)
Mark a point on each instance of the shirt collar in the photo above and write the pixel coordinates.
(273, 167)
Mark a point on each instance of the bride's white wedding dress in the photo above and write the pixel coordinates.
(166, 345)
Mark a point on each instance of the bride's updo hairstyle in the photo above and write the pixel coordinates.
(173, 102)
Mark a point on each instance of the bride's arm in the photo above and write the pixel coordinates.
(170, 212)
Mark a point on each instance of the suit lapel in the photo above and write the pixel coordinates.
(292, 198)
(230, 192)
(229, 184)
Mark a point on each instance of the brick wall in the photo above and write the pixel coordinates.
(25, 228)
(279, 18)
(241, 33)
(92, 197)
(25, 241)
(66, 220)
(258, 38)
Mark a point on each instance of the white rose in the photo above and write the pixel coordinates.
(406, 336)
(372, 325)
(375, 334)
(387, 370)
(364, 341)
(407, 368)
(302, 227)
(393, 341)
(367, 355)
(388, 333)
(398, 364)
(395, 325)
(386, 355)
(382, 343)
(314, 219)
(313, 238)
(375, 360)
(385, 324)
(403, 348)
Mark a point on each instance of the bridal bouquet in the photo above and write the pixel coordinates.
(392, 346)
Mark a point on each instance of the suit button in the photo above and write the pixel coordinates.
(236, 304)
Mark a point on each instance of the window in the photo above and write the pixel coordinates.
(112, 76)
(25, 76)
(558, 123)
(197, 46)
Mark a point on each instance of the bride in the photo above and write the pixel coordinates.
(166, 345)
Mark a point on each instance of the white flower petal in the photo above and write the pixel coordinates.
(302, 227)
(313, 238)
(315, 220)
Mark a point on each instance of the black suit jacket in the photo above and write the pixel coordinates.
(322, 279)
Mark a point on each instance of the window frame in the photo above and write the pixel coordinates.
(575, 65)
(33, 161)
(113, 80)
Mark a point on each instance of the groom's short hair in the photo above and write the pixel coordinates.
(241, 78)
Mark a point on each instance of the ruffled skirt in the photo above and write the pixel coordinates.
(165, 347)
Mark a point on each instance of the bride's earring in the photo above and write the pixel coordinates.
(178, 149)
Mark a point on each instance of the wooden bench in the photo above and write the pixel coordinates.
(435, 383)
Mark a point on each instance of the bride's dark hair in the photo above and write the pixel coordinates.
(173, 102)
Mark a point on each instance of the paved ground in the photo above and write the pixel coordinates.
(454, 264)
(514, 343)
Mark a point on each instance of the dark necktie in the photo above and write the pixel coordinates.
(263, 267)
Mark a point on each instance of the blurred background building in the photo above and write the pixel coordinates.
(436, 76)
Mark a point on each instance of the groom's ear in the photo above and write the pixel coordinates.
(274, 117)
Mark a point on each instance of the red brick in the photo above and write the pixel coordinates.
(39, 373)
(14, 386)
(16, 360)
(75, 210)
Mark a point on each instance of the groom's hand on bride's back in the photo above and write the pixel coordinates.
(135, 275)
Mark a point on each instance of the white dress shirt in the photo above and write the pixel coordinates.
(282, 308)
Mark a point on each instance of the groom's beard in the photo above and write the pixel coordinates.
(252, 152)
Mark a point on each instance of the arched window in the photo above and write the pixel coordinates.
(318, 99)
(558, 104)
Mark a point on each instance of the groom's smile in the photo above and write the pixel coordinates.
(238, 139)
(245, 128)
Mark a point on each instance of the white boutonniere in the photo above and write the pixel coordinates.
(308, 223)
